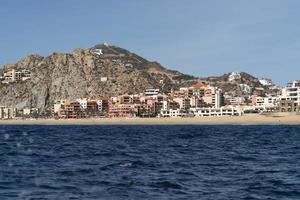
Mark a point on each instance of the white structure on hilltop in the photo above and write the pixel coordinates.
(266, 82)
(103, 79)
(234, 76)
(97, 52)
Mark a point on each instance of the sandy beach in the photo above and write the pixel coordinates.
(250, 119)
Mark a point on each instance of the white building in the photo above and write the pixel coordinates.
(234, 76)
(266, 82)
(217, 112)
(103, 79)
(83, 103)
(235, 100)
(13, 75)
(58, 105)
(173, 113)
(292, 92)
(150, 92)
(7, 112)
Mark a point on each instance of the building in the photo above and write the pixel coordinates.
(149, 92)
(103, 105)
(266, 82)
(184, 103)
(290, 98)
(289, 106)
(213, 97)
(58, 104)
(83, 103)
(217, 112)
(291, 92)
(28, 111)
(173, 113)
(92, 107)
(234, 76)
(103, 79)
(121, 110)
(13, 76)
(235, 100)
(7, 112)
(71, 109)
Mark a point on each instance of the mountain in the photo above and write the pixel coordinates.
(102, 70)
(86, 73)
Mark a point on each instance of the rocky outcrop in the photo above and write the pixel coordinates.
(91, 73)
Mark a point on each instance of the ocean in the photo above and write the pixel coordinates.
(149, 162)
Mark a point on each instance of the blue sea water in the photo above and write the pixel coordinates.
(149, 162)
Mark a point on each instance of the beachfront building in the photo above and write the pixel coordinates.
(290, 98)
(103, 103)
(83, 103)
(213, 97)
(266, 102)
(7, 112)
(217, 112)
(27, 111)
(173, 113)
(58, 105)
(71, 109)
(121, 110)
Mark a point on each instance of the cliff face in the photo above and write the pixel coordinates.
(86, 73)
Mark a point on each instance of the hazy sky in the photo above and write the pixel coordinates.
(199, 37)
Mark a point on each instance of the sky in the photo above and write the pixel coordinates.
(197, 37)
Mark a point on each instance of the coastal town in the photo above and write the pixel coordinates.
(198, 100)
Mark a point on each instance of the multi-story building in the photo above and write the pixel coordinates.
(13, 75)
(103, 104)
(7, 112)
(58, 104)
(213, 112)
(121, 110)
(234, 100)
(184, 103)
(83, 103)
(71, 109)
(290, 98)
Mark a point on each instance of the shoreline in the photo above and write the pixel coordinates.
(249, 119)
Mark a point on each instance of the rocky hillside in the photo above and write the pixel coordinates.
(98, 71)
(240, 86)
